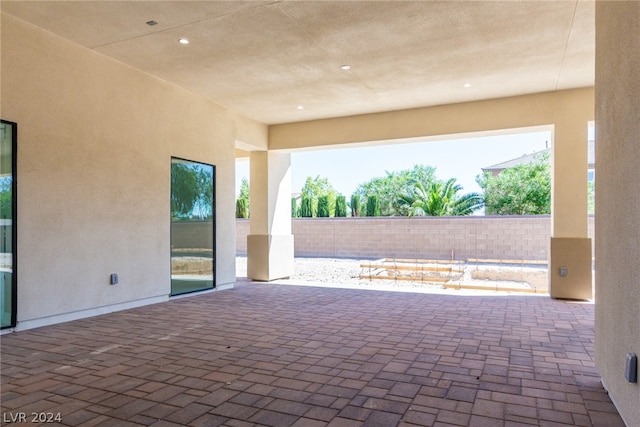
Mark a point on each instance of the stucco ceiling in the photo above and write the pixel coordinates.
(263, 59)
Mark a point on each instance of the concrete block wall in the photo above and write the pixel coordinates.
(505, 237)
(242, 231)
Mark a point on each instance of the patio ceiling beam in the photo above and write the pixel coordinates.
(444, 121)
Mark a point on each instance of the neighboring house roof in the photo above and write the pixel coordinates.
(528, 158)
(523, 160)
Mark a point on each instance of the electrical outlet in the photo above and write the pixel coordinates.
(631, 368)
(563, 271)
(113, 279)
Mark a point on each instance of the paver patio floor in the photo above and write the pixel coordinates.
(276, 355)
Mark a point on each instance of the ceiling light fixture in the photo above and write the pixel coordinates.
(183, 41)
(300, 107)
(346, 67)
(467, 85)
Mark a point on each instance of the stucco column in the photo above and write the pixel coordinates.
(570, 247)
(270, 242)
(618, 202)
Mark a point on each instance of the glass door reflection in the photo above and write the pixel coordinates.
(192, 226)
(8, 257)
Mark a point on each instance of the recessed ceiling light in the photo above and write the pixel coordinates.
(467, 85)
(346, 67)
(183, 41)
(300, 107)
(152, 23)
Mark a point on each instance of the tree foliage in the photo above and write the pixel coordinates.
(203, 206)
(295, 209)
(388, 188)
(314, 188)
(440, 198)
(520, 190)
(245, 190)
(184, 190)
(244, 196)
(591, 197)
(191, 191)
(6, 198)
(417, 191)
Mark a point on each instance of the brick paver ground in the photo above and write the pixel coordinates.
(276, 355)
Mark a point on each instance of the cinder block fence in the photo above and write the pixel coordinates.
(486, 237)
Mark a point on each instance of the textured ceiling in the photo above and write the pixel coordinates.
(265, 58)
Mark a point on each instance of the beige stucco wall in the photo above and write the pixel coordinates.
(618, 200)
(94, 148)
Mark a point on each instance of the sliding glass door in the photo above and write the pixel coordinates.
(8, 230)
(192, 226)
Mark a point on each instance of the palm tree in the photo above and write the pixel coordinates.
(440, 198)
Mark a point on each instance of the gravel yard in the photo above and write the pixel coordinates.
(338, 272)
(345, 272)
(323, 270)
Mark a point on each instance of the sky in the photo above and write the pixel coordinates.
(463, 159)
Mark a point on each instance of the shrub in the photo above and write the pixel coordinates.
(323, 207)
(241, 208)
(373, 206)
(341, 206)
(306, 207)
(355, 205)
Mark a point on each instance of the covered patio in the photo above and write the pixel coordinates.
(283, 355)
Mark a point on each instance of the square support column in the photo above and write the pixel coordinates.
(570, 268)
(570, 274)
(270, 242)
